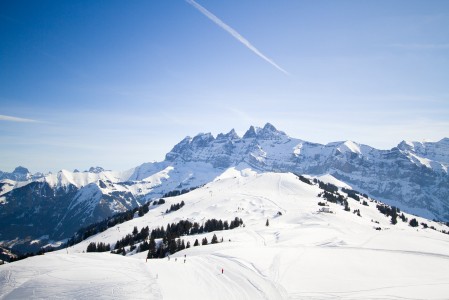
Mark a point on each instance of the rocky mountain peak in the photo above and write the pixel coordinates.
(96, 170)
(250, 133)
(269, 132)
(19, 174)
(231, 135)
(21, 170)
(202, 139)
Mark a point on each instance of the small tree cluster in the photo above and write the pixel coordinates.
(159, 202)
(334, 198)
(98, 227)
(304, 179)
(98, 247)
(351, 193)
(175, 207)
(170, 236)
(179, 192)
(414, 223)
(130, 239)
(328, 187)
(390, 212)
(143, 210)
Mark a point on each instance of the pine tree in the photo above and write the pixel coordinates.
(394, 220)
(214, 239)
(413, 223)
(347, 206)
(404, 218)
(92, 247)
(204, 242)
(172, 247)
(152, 248)
(196, 243)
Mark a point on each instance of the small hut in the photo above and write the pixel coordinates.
(325, 209)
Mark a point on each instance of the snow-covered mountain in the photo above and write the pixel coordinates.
(303, 253)
(40, 207)
(412, 176)
(19, 174)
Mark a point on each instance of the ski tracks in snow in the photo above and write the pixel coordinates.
(247, 281)
(85, 276)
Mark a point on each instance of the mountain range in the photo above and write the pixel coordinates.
(291, 241)
(37, 208)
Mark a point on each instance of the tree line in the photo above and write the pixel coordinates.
(168, 237)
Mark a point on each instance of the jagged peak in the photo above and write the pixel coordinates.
(269, 127)
(406, 145)
(96, 170)
(203, 137)
(21, 170)
(251, 132)
(231, 135)
(269, 131)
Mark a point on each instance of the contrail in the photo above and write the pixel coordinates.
(15, 119)
(234, 33)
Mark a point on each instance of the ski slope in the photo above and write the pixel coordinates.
(87, 276)
(302, 254)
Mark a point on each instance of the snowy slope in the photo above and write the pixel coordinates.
(412, 176)
(88, 276)
(302, 254)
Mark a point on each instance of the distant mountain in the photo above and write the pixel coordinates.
(37, 208)
(19, 174)
(413, 176)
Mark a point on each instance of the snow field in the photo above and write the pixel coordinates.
(77, 276)
(302, 254)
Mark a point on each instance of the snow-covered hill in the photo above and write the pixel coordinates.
(302, 254)
(412, 176)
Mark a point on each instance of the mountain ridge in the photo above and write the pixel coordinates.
(412, 176)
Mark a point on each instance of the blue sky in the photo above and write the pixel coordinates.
(116, 84)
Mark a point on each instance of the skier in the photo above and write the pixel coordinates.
(222, 270)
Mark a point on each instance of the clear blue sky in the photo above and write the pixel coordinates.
(118, 83)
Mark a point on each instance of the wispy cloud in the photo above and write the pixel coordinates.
(235, 34)
(16, 119)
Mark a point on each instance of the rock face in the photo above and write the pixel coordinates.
(19, 174)
(53, 207)
(412, 176)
